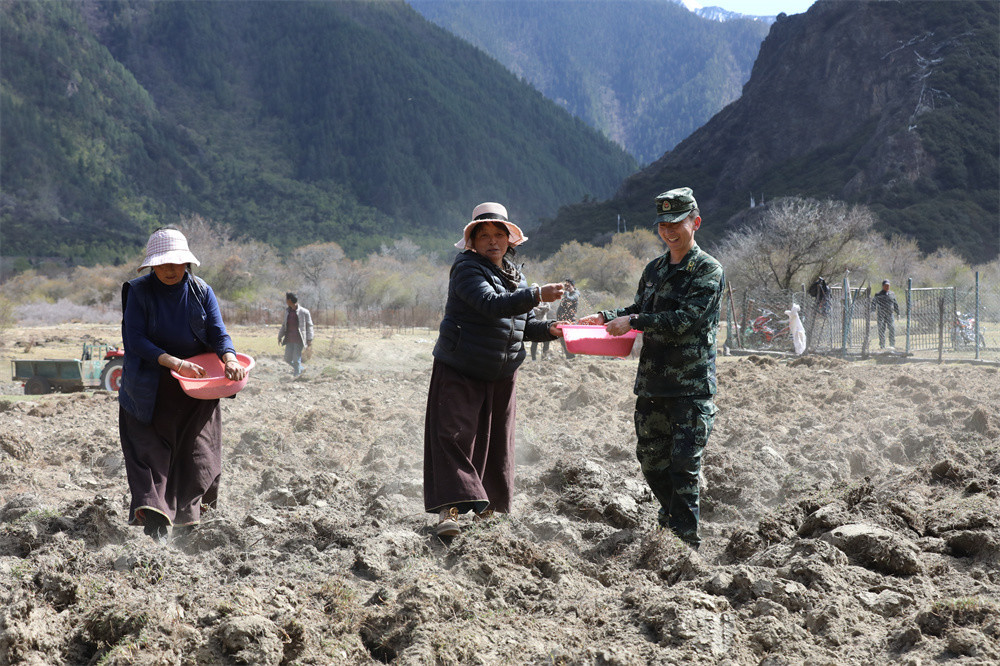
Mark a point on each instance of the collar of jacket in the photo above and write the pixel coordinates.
(511, 279)
(686, 263)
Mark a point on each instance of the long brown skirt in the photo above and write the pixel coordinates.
(174, 463)
(468, 442)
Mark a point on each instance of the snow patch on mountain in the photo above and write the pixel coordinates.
(718, 13)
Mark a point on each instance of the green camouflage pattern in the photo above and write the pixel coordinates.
(677, 310)
(675, 205)
(672, 433)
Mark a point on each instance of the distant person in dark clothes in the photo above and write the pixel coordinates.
(568, 307)
(886, 309)
(541, 313)
(822, 307)
(296, 333)
(469, 425)
(172, 443)
(820, 290)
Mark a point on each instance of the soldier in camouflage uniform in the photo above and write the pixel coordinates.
(677, 309)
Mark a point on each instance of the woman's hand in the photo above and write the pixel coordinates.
(551, 292)
(181, 367)
(189, 369)
(234, 369)
(554, 328)
(592, 320)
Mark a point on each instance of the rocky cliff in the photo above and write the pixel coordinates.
(890, 104)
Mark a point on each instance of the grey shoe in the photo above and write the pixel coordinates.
(447, 523)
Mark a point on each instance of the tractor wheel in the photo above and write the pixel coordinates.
(37, 386)
(111, 376)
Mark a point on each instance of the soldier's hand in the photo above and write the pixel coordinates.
(592, 320)
(618, 326)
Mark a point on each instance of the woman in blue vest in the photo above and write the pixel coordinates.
(172, 442)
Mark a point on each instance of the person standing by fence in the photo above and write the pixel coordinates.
(819, 290)
(296, 333)
(886, 309)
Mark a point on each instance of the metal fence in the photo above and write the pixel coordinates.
(395, 318)
(933, 321)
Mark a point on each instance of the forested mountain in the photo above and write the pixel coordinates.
(646, 73)
(354, 122)
(891, 104)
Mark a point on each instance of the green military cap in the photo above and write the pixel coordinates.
(675, 205)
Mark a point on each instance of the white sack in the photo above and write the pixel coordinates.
(797, 330)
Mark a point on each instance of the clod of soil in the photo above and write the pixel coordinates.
(849, 517)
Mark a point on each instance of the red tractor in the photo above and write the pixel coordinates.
(111, 375)
(99, 366)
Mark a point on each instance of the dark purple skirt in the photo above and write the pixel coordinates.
(468, 442)
(174, 463)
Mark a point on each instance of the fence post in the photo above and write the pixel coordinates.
(846, 319)
(941, 329)
(977, 316)
(746, 309)
(868, 324)
(736, 327)
(954, 309)
(909, 301)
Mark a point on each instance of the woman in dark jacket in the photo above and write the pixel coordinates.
(172, 443)
(469, 427)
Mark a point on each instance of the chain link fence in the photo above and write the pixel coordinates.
(933, 322)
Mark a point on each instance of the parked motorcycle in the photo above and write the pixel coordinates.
(766, 331)
(964, 332)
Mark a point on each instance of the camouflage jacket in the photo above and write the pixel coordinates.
(677, 310)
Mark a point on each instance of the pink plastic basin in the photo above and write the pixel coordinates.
(214, 384)
(594, 340)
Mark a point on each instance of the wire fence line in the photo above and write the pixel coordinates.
(337, 317)
(941, 322)
(933, 322)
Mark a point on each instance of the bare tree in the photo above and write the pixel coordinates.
(317, 264)
(896, 258)
(353, 282)
(643, 244)
(612, 269)
(403, 249)
(797, 240)
(566, 263)
(236, 269)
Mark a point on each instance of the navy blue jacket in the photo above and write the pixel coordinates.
(142, 337)
(486, 320)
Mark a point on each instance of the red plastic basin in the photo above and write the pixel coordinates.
(214, 384)
(596, 341)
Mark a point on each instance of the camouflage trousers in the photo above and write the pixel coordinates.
(672, 434)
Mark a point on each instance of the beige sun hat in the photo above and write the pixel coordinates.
(490, 212)
(167, 246)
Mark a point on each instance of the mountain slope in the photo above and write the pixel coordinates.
(894, 105)
(354, 122)
(646, 74)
